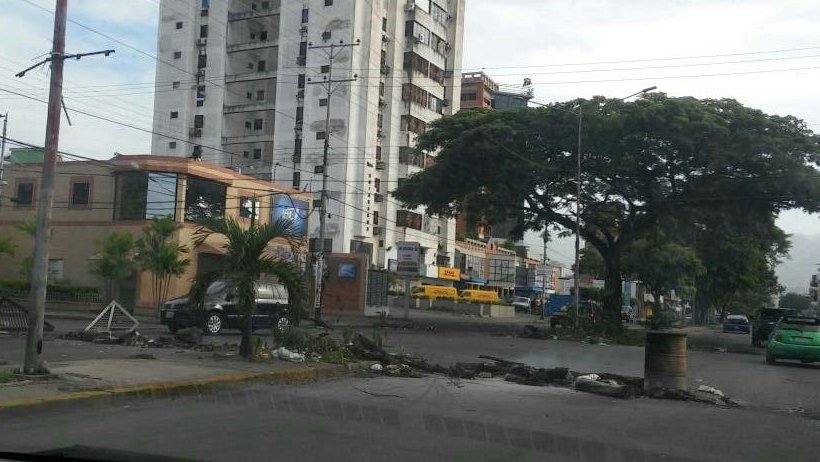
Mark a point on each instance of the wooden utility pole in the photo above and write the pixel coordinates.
(330, 86)
(32, 360)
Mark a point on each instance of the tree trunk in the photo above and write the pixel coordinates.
(613, 289)
(245, 347)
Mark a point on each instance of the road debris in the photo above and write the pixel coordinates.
(287, 355)
(712, 390)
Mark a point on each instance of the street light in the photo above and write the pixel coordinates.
(577, 272)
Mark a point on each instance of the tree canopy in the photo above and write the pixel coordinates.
(643, 162)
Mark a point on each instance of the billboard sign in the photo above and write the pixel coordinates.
(408, 258)
(453, 274)
(295, 210)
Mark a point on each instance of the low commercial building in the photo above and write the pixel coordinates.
(96, 198)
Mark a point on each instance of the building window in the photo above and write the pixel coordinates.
(328, 2)
(300, 114)
(205, 4)
(199, 121)
(263, 36)
(326, 35)
(200, 91)
(25, 194)
(378, 153)
(322, 102)
(260, 66)
(248, 124)
(203, 31)
(408, 219)
(248, 95)
(141, 196)
(377, 184)
(302, 48)
(260, 95)
(265, 5)
(257, 124)
(203, 61)
(175, 84)
(468, 97)
(80, 193)
(257, 153)
(300, 81)
(248, 207)
(305, 15)
(172, 145)
(200, 102)
(375, 217)
(246, 154)
(321, 135)
(174, 114)
(55, 268)
(297, 180)
(381, 88)
(177, 54)
(324, 69)
(384, 24)
(204, 199)
(179, 24)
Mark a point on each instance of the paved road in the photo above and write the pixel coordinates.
(427, 419)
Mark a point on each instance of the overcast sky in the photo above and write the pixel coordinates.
(763, 53)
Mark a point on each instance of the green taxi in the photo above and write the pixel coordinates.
(795, 337)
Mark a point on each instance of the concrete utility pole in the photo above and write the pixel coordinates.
(5, 118)
(330, 86)
(577, 272)
(32, 361)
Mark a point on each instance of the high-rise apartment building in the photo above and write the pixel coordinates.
(479, 91)
(236, 86)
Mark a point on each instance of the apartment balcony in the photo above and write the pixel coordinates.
(254, 14)
(250, 138)
(250, 107)
(255, 45)
(248, 76)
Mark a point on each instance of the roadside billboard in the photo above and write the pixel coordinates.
(408, 258)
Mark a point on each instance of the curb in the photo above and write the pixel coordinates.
(298, 375)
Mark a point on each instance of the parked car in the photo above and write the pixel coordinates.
(795, 337)
(220, 311)
(737, 323)
(627, 314)
(433, 292)
(764, 322)
(589, 310)
(522, 304)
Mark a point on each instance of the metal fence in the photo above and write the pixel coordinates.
(14, 318)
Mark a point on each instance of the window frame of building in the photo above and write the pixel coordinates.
(199, 121)
(203, 31)
(378, 153)
(375, 218)
(216, 209)
(322, 102)
(328, 2)
(305, 15)
(172, 145)
(257, 153)
(258, 124)
(30, 184)
(260, 95)
(324, 69)
(175, 84)
(249, 207)
(261, 65)
(177, 54)
(263, 36)
(202, 61)
(296, 180)
(384, 24)
(300, 81)
(320, 135)
(73, 184)
(326, 35)
(377, 185)
(150, 195)
(174, 114)
(178, 25)
(246, 154)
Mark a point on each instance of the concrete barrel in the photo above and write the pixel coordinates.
(665, 361)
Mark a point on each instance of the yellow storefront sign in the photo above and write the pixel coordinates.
(453, 274)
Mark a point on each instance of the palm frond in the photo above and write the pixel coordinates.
(290, 275)
(199, 286)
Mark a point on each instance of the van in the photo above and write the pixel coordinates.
(479, 296)
(434, 292)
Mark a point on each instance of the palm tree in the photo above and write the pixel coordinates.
(114, 261)
(159, 253)
(246, 260)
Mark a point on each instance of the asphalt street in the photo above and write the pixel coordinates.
(431, 419)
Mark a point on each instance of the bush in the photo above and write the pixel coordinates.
(55, 291)
(291, 337)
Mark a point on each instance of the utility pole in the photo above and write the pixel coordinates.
(330, 85)
(32, 360)
(577, 278)
(5, 118)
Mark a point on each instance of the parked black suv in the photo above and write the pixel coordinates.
(220, 310)
(764, 322)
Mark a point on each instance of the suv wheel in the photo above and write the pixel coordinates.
(281, 323)
(214, 322)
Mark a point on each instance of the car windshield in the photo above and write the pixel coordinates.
(217, 287)
(801, 324)
(732, 320)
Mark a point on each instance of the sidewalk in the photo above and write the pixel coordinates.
(120, 370)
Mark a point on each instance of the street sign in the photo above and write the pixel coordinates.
(408, 260)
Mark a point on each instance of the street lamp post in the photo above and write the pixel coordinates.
(580, 116)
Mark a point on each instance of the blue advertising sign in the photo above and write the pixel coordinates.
(291, 209)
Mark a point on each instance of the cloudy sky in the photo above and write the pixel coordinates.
(763, 53)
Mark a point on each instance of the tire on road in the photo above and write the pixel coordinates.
(214, 323)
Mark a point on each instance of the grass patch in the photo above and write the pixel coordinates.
(8, 375)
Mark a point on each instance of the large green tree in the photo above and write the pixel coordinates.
(795, 301)
(662, 266)
(246, 261)
(159, 252)
(642, 161)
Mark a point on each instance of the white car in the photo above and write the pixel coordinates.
(521, 304)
